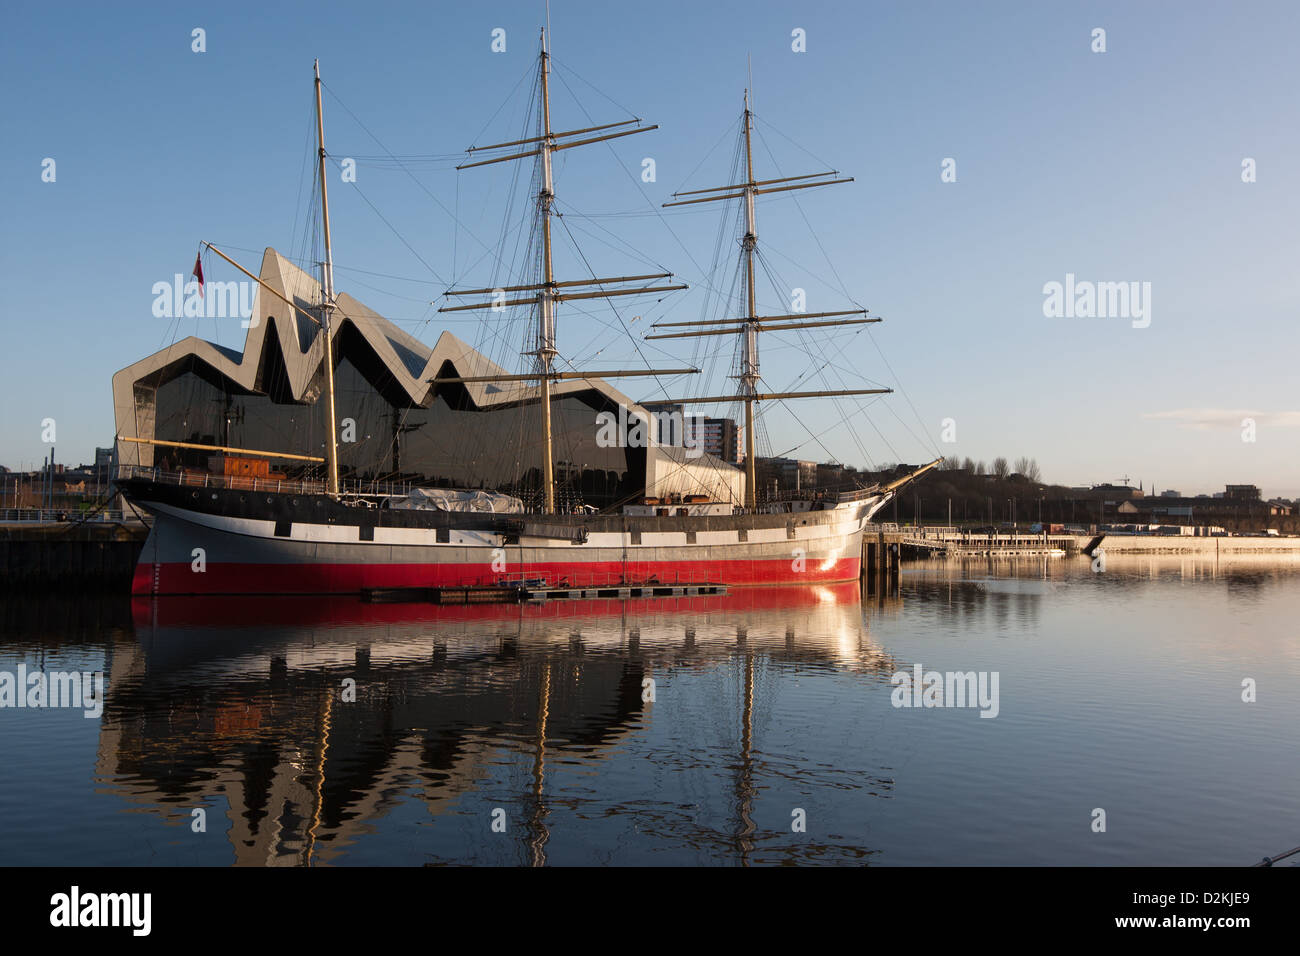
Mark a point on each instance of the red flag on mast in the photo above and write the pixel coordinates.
(198, 272)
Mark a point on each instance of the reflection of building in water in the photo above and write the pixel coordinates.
(963, 591)
(1015, 591)
(883, 593)
(240, 699)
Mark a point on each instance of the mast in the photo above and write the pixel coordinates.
(327, 307)
(749, 356)
(549, 293)
(752, 323)
(327, 302)
(546, 298)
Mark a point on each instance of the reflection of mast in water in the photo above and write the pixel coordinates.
(537, 832)
(326, 713)
(745, 778)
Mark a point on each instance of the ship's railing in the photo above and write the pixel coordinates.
(856, 494)
(940, 532)
(789, 503)
(1004, 539)
(196, 478)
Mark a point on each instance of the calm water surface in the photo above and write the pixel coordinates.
(1120, 690)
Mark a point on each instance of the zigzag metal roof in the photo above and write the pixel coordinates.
(410, 362)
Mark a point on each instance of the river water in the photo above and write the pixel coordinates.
(1141, 714)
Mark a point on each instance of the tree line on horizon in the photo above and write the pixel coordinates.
(1000, 468)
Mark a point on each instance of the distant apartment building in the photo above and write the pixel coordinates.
(1242, 492)
(718, 437)
(714, 436)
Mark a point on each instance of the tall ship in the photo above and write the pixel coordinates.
(229, 518)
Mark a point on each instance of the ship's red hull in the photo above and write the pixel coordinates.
(223, 542)
(179, 577)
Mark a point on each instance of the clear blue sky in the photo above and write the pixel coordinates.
(1115, 166)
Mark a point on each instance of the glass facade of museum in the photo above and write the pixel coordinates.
(446, 442)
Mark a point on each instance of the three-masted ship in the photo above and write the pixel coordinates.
(264, 539)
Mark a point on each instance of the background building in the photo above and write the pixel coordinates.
(393, 423)
(720, 438)
(786, 475)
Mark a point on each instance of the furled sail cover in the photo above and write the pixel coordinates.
(449, 499)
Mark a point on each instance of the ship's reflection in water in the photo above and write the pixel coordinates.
(771, 735)
(334, 731)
